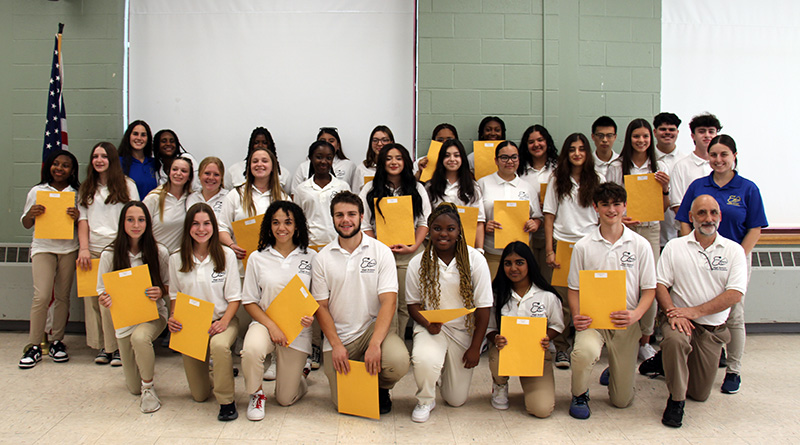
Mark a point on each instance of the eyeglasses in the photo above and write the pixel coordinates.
(507, 158)
(383, 141)
(602, 136)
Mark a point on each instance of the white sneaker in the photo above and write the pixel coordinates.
(500, 396)
(149, 402)
(646, 352)
(256, 409)
(271, 371)
(422, 412)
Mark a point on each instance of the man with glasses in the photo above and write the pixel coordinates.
(604, 133)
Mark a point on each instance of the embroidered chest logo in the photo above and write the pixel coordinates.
(627, 259)
(537, 309)
(304, 267)
(217, 207)
(524, 196)
(368, 265)
(735, 201)
(218, 277)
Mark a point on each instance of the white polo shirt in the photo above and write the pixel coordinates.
(451, 195)
(685, 172)
(614, 173)
(316, 204)
(419, 221)
(449, 286)
(106, 265)
(572, 222)
(495, 188)
(103, 219)
(601, 166)
(351, 283)
(695, 275)
(58, 246)
(537, 177)
(268, 272)
(631, 253)
(234, 176)
(342, 169)
(215, 201)
(669, 227)
(361, 172)
(535, 303)
(232, 209)
(204, 284)
(169, 229)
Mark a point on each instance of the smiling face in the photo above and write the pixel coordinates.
(537, 145)
(577, 153)
(260, 163)
(322, 160)
(61, 169)
(640, 140)
(452, 159)
(702, 137)
(167, 144)
(282, 226)
(100, 160)
(202, 228)
(610, 213)
(516, 269)
(444, 234)
(705, 215)
(139, 137)
(135, 223)
(331, 139)
(492, 131)
(179, 172)
(507, 160)
(211, 178)
(394, 163)
(346, 219)
(379, 139)
(666, 135)
(721, 158)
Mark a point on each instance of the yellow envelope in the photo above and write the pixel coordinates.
(484, 158)
(433, 158)
(469, 220)
(601, 293)
(368, 178)
(512, 215)
(542, 192)
(196, 316)
(87, 280)
(396, 225)
(445, 315)
(645, 197)
(247, 232)
(523, 355)
(291, 304)
(358, 392)
(563, 257)
(54, 223)
(130, 306)
(317, 247)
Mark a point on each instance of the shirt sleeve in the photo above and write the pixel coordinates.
(555, 316)
(481, 280)
(756, 217)
(233, 287)
(106, 259)
(647, 267)
(300, 175)
(319, 286)
(30, 200)
(479, 203)
(163, 264)
(686, 203)
(413, 294)
(550, 200)
(366, 222)
(737, 277)
(535, 209)
(251, 292)
(665, 274)
(614, 172)
(387, 270)
(228, 211)
(422, 220)
(575, 266)
(174, 267)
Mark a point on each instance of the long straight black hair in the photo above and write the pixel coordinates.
(438, 183)
(408, 183)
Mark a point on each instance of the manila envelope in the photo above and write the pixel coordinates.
(196, 316)
(542, 192)
(445, 315)
(358, 392)
(54, 223)
(512, 215)
(469, 220)
(433, 158)
(291, 304)
(601, 293)
(87, 280)
(130, 306)
(645, 198)
(523, 355)
(396, 225)
(368, 178)
(484, 158)
(563, 257)
(247, 232)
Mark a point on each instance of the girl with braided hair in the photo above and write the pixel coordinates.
(447, 275)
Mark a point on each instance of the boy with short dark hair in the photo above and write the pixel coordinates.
(604, 133)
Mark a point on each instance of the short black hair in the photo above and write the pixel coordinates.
(609, 192)
(704, 120)
(604, 121)
(666, 118)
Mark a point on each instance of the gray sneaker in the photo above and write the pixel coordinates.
(149, 402)
(562, 360)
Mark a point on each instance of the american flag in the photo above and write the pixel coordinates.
(55, 129)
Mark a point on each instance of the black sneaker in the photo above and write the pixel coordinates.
(58, 351)
(732, 383)
(652, 367)
(562, 360)
(115, 359)
(316, 357)
(384, 401)
(227, 412)
(723, 359)
(673, 413)
(103, 357)
(31, 356)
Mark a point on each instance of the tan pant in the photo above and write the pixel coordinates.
(540, 255)
(494, 263)
(539, 392)
(99, 327)
(561, 341)
(690, 361)
(394, 360)
(653, 236)
(52, 276)
(435, 356)
(400, 320)
(197, 372)
(290, 384)
(136, 352)
(623, 348)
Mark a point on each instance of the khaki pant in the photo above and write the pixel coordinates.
(539, 392)
(400, 320)
(290, 384)
(435, 356)
(652, 234)
(394, 360)
(623, 348)
(52, 276)
(99, 327)
(690, 361)
(136, 352)
(540, 255)
(561, 341)
(494, 263)
(736, 329)
(197, 372)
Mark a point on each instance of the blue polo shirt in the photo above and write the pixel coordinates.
(143, 174)
(739, 200)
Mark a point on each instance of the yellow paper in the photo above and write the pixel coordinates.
(512, 215)
(368, 178)
(317, 247)
(247, 232)
(645, 197)
(484, 158)
(469, 220)
(563, 257)
(445, 315)
(293, 303)
(54, 223)
(542, 192)
(196, 316)
(433, 158)
(358, 392)
(601, 293)
(129, 304)
(87, 280)
(523, 355)
(396, 225)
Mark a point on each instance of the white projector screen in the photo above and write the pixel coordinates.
(212, 71)
(740, 60)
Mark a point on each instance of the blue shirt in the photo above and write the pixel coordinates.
(143, 174)
(739, 201)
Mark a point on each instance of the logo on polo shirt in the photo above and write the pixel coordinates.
(524, 196)
(217, 207)
(538, 309)
(368, 265)
(717, 263)
(217, 277)
(735, 201)
(339, 173)
(628, 259)
(304, 267)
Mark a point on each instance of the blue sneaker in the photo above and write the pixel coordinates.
(604, 377)
(731, 383)
(579, 407)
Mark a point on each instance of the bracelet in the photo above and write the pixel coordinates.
(665, 193)
(551, 253)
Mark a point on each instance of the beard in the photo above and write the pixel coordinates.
(348, 235)
(709, 229)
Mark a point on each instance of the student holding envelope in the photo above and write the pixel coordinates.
(447, 275)
(491, 128)
(342, 168)
(611, 246)
(441, 133)
(206, 270)
(169, 201)
(212, 183)
(282, 254)
(380, 136)
(52, 260)
(102, 195)
(506, 185)
(134, 246)
(520, 290)
(393, 177)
